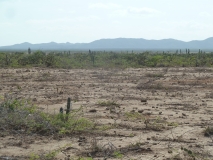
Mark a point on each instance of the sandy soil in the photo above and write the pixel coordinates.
(171, 108)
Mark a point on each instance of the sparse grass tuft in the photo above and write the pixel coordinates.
(108, 103)
(105, 127)
(174, 124)
(118, 155)
(189, 152)
(134, 115)
(47, 156)
(208, 131)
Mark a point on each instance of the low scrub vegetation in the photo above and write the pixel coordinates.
(104, 60)
(22, 117)
(107, 103)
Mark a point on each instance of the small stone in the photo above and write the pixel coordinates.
(143, 100)
(169, 151)
(140, 111)
(93, 110)
(183, 114)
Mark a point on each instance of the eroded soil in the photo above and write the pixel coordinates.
(159, 113)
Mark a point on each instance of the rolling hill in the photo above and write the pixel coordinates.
(118, 44)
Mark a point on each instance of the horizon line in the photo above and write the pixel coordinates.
(105, 39)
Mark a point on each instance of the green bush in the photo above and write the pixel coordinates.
(20, 116)
(105, 60)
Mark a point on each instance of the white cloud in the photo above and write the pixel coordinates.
(123, 10)
(63, 20)
(48, 21)
(63, 11)
(6, 24)
(199, 26)
(205, 14)
(87, 18)
(135, 10)
(104, 6)
(120, 12)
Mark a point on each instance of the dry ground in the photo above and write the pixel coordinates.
(159, 113)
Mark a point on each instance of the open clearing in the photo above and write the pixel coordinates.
(143, 113)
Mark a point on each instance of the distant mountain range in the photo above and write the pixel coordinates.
(118, 44)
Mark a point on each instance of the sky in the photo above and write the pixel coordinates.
(83, 21)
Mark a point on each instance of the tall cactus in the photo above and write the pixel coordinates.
(7, 60)
(29, 51)
(92, 55)
(68, 105)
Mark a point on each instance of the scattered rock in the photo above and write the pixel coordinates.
(170, 151)
(183, 114)
(82, 139)
(93, 110)
(140, 111)
(164, 118)
(143, 100)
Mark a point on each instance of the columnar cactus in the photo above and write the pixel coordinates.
(29, 51)
(7, 60)
(68, 105)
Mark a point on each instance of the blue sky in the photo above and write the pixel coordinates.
(76, 21)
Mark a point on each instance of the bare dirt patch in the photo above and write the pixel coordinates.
(147, 113)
